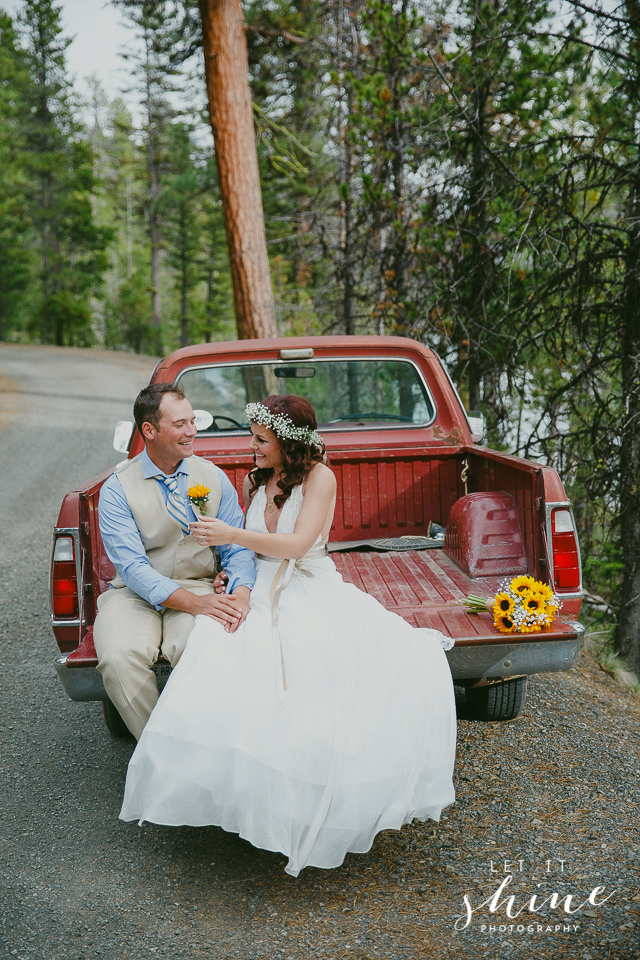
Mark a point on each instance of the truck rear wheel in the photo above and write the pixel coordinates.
(114, 721)
(497, 701)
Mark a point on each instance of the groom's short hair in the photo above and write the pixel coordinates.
(146, 408)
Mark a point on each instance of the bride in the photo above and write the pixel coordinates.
(324, 718)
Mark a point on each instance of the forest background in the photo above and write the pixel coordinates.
(467, 174)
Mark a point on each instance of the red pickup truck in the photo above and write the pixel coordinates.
(425, 514)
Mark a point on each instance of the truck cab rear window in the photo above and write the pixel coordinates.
(344, 393)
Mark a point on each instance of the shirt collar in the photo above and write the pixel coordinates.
(149, 469)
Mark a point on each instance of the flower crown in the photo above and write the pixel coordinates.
(282, 425)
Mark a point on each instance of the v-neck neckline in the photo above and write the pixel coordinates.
(266, 507)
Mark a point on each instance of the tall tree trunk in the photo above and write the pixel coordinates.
(475, 264)
(346, 269)
(184, 283)
(210, 290)
(474, 383)
(399, 255)
(627, 639)
(346, 242)
(399, 237)
(154, 226)
(184, 311)
(156, 301)
(231, 110)
(628, 633)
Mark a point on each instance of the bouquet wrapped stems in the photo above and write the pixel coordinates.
(479, 604)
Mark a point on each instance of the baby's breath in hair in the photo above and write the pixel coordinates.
(282, 425)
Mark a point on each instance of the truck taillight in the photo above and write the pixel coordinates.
(564, 546)
(64, 581)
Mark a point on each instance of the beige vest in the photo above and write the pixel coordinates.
(170, 552)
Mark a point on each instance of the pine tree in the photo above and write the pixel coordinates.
(299, 54)
(156, 72)
(586, 305)
(122, 171)
(184, 223)
(15, 261)
(503, 83)
(391, 105)
(60, 164)
(215, 319)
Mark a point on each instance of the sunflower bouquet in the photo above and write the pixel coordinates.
(522, 605)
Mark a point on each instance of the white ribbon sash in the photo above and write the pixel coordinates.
(281, 582)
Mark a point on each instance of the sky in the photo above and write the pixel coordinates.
(98, 35)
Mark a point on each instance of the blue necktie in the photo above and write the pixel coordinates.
(175, 503)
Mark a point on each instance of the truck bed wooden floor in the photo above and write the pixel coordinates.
(427, 589)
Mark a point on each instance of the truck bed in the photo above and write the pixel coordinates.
(426, 588)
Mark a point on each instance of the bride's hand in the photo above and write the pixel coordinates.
(220, 582)
(212, 533)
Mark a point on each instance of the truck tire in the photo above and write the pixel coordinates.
(114, 721)
(497, 701)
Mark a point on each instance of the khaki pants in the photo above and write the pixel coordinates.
(129, 635)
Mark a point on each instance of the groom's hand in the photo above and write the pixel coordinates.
(225, 609)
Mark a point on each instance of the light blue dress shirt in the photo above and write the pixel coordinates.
(125, 549)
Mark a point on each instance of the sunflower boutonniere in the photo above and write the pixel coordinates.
(198, 497)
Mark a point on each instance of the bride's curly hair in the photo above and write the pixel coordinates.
(297, 457)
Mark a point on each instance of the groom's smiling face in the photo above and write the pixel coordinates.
(172, 440)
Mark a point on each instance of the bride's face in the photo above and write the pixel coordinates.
(266, 448)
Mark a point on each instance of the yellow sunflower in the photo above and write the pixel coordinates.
(520, 584)
(504, 624)
(503, 605)
(533, 602)
(529, 627)
(199, 492)
(544, 590)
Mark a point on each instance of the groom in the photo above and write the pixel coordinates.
(164, 577)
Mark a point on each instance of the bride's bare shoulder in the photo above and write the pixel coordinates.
(320, 478)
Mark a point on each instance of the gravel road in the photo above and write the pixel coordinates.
(550, 800)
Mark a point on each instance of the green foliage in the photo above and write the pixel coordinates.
(391, 102)
(183, 223)
(58, 166)
(213, 309)
(62, 318)
(127, 320)
(15, 259)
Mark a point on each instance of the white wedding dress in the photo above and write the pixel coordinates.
(308, 739)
